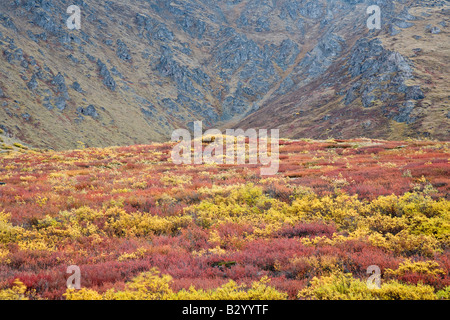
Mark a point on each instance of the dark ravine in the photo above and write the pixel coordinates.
(137, 70)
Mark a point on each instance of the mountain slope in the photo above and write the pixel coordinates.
(389, 84)
(139, 69)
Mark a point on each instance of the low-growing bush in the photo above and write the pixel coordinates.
(340, 286)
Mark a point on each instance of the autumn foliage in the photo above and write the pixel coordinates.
(140, 227)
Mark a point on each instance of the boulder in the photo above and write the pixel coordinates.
(122, 51)
(77, 87)
(89, 111)
(435, 30)
(108, 80)
(33, 84)
(414, 93)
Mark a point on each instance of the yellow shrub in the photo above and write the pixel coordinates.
(140, 253)
(340, 286)
(17, 292)
(146, 286)
(36, 245)
(124, 190)
(337, 286)
(170, 179)
(342, 209)
(82, 294)
(421, 267)
(384, 224)
(8, 233)
(409, 224)
(139, 185)
(444, 294)
(41, 201)
(68, 225)
(318, 264)
(243, 204)
(438, 227)
(232, 291)
(4, 253)
(154, 286)
(405, 243)
(410, 205)
(166, 199)
(216, 190)
(394, 290)
(143, 224)
(83, 214)
(214, 251)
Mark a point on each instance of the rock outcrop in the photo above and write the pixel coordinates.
(143, 69)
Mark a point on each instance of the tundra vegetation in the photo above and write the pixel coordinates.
(140, 227)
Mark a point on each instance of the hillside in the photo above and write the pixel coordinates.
(139, 69)
(389, 84)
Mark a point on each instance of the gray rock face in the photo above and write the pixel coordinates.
(170, 105)
(26, 116)
(233, 105)
(33, 84)
(149, 111)
(404, 114)
(236, 51)
(220, 59)
(108, 80)
(435, 30)
(122, 51)
(194, 27)
(405, 15)
(168, 67)
(286, 54)
(13, 54)
(77, 87)
(44, 20)
(89, 111)
(60, 83)
(73, 59)
(153, 29)
(312, 10)
(382, 75)
(60, 103)
(403, 24)
(414, 93)
(321, 57)
(205, 111)
(7, 22)
(200, 77)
